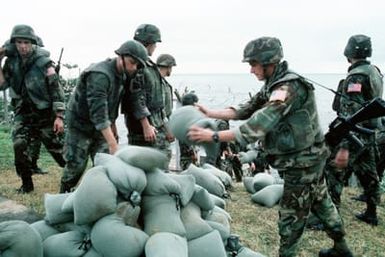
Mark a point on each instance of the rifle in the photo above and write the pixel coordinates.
(57, 67)
(342, 127)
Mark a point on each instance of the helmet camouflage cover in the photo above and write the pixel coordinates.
(166, 60)
(134, 49)
(264, 50)
(358, 46)
(23, 31)
(147, 34)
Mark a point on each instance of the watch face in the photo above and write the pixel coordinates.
(215, 137)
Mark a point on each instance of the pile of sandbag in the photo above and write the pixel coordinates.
(128, 206)
(265, 188)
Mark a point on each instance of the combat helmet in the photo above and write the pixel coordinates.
(147, 34)
(23, 31)
(166, 60)
(264, 50)
(358, 46)
(134, 49)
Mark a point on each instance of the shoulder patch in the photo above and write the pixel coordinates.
(354, 87)
(279, 94)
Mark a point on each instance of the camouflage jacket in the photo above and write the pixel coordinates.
(95, 101)
(283, 115)
(29, 84)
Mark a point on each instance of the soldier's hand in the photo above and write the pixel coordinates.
(203, 109)
(113, 147)
(150, 133)
(58, 126)
(342, 158)
(199, 134)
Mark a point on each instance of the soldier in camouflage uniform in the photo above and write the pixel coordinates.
(37, 98)
(93, 109)
(283, 115)
(143, 102)
(363, 83)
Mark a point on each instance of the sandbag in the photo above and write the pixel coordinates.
(92, 253)
(247, 157)
(248, 183)
(18, 239)
(69, 244)
(219, 217)
(95, 197)
(183, 118)
(162, 214)
(247, 252)
(158, 183)
(44, 229)
(209, 245)
(269, 195)
(71, 226)
(128, 213)
(218, 201)
(223, 176)
(126, 178)
(202, 198)
(205, 214)
(187, 186)
(262, 180)
(68, 204)
(53, 209)
(165, 244)
(194, 224)
(145, 158)
(111, 238)
(206, 180)
(223, 230)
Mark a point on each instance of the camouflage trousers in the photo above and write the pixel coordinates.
(79, 146)
(161, 143)
(28, 128)
(305, 191)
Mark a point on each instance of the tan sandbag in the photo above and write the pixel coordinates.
(53, 209)
(158, 183)
(207, 180)
(18, 239)
(162, 214)
(209, 245)
(125, 177)
(69, 244)
(194, 224)
(187, 186)
(268, 196)
(248, 183)
(164, 244)
(145, 158)
(95, 197)
(223, 176)
(111, 238)
(128, 213)
(202, 198)
(262, 180)
(44, 229)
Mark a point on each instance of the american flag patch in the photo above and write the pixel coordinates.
(278, 95)
(354, 88)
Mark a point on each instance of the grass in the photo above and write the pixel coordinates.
(256, 226)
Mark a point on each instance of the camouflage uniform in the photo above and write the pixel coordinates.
(37, 100)
(187, 155)
(284, 116)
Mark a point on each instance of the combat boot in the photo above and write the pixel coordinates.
(368, 218)
(332, 252)
(27, 186)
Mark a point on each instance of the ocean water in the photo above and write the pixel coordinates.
(223, 90)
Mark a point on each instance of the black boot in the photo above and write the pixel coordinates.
(27, 185)
(369, 216)
(361, 198)
(340, 249)
(65, 188)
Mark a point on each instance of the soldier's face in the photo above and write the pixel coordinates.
(258, 70)
(23, 46)
(131, 65)
(151, 49)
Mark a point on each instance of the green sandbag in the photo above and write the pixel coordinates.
(158, 183)
(71, 226)
(183, 118)
(165, 244)
(126, 178)
(248, 183)
(128, 213)
(95, 197)
(111, 238)
(187, 186)
(92, 253)
(202, 198)
(223, 176)
(207, 180)
(247, 252)
(145, 158)
(205, 214)
(44, 229)
(194, 224)
(218, 201)
(162, 214)
(69, 244)
(209, 245)
(68, 204)
(18, 239)
(53, 209)
(223, 230)
(262, 180)
(269, 195)
(218, 216)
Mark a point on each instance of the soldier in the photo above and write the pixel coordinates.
(93, 109)
(362, 84)
(283, 115)
(143, 103)
(37, 98)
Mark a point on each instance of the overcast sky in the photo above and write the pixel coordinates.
(205, 36)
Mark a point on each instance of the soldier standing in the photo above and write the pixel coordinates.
(283, 115)
(363, 83)
(93, 109)
(37, 98)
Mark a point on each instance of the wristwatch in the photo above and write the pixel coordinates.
(215, 137)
